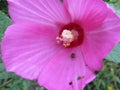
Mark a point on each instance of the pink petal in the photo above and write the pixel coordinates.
(50, 12)
(89, 13)
(26, 48)
(100, 41)
(63, 70)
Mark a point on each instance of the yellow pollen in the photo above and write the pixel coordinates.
(67, 37)
(67, 34)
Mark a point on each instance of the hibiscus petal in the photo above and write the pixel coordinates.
(66, 71)
(101, 40)
(89, 13)
(50, 12)
(26, 48)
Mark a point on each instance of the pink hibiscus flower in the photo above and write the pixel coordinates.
(60, 44)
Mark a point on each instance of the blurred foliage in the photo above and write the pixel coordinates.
(4, 22)
(115, 54)
(3, 6)
(107, 79)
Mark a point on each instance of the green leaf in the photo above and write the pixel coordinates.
(2, 68)
(26, 84)
(4, 22)
(115, 54)
(5, 75)
(115, 7)
(38, 88)
(106, 0)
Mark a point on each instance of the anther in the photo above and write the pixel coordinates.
(67, 37)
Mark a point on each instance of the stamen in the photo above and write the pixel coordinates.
(67, 37)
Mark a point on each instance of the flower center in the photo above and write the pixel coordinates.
(71, 35)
